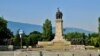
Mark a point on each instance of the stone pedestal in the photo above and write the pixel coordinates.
(59, 33)
(59, 29)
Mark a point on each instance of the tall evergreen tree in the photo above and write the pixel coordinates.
(47, 30)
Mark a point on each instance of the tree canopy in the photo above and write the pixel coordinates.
(5, 33)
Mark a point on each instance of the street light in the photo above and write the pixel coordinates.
(20, 33)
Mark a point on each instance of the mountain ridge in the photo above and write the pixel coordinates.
(27, 28)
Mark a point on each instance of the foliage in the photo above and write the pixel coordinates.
(33, 38)
(5, 33)
(93, 40)
(47, 30)
(17, 39)
(72, 35)
(3, 23)
(94, 35)
(76, 38)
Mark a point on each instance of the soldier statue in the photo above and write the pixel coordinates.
(59, 14)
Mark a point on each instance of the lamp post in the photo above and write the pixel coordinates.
(20, 33)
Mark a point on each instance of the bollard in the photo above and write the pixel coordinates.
(57, 54)
(41, 54)
(90, 55)
(72, 54)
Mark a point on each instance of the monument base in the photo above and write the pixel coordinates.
(55, 44)
(60, 40)
(59, 45)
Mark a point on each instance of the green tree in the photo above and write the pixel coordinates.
(88, 39)
(3, 23)
(47, 30)
(75, 37)
(17, 39)
(94, 35)
(84, 39)
(5, 33)
(94, 41)
(72, 35)
(33, 38)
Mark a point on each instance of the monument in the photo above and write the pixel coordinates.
(59, 27)
(58, 40)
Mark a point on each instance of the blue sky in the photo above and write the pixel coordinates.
(76, 13)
